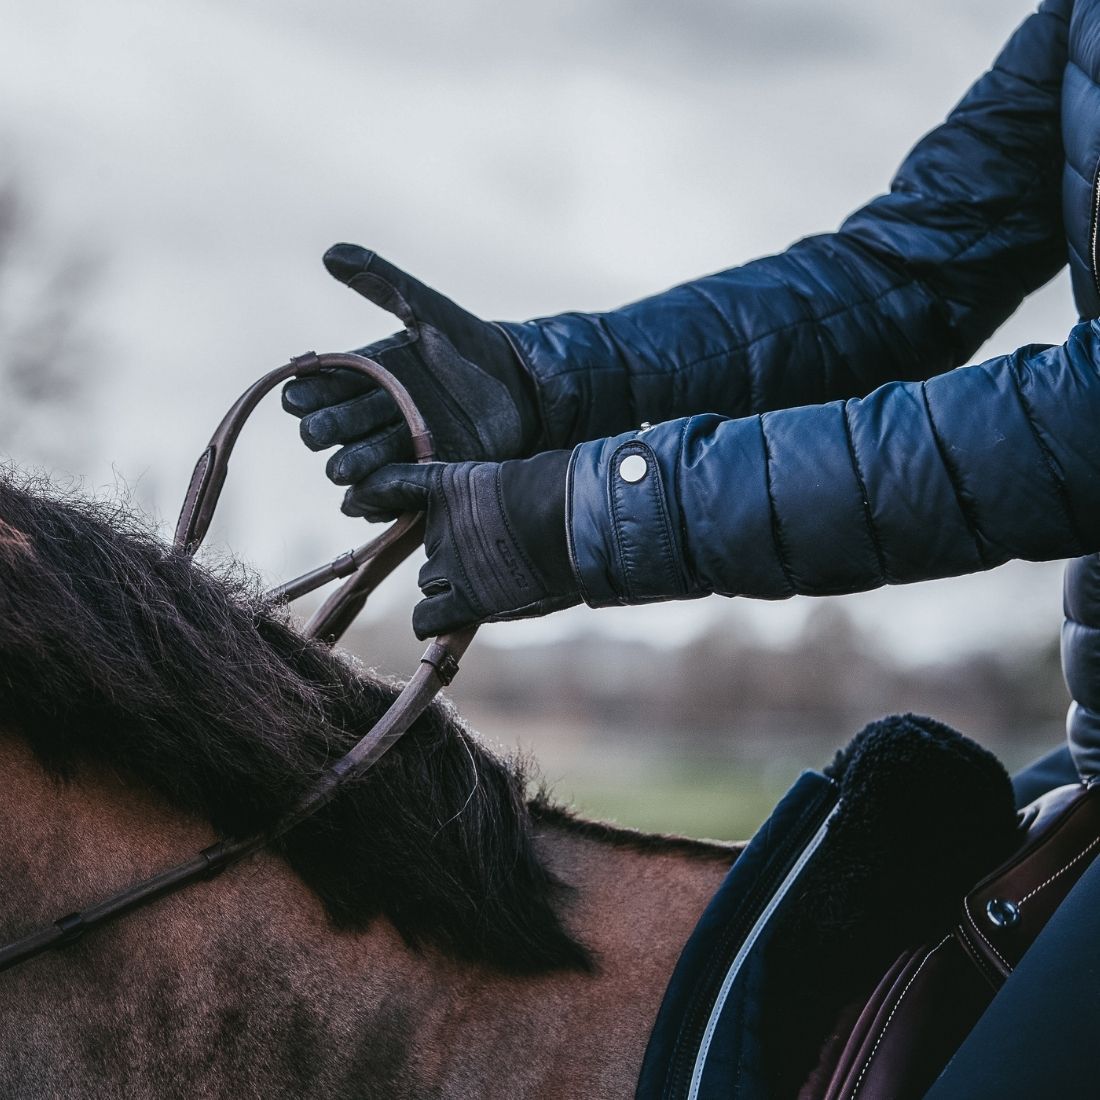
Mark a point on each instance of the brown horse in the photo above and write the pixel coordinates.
(438, 931)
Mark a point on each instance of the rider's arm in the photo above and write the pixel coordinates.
(917, 480)
(909, 287)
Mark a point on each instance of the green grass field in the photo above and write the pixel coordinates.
(720, 804)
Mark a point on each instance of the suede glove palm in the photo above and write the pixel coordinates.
(470, 386)
(495, 537)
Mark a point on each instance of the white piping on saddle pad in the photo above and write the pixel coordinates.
(747, 946)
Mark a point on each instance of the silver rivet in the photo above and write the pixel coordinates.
(1002, 912)
(633, 468)
(645, 427)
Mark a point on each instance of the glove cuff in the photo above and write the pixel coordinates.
(533, 494)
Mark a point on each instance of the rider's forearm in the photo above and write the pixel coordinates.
(915, 481)
(910, 286)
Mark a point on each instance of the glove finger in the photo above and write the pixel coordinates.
(302, 396)
(357, 461)
(443, 613)
(348, 421)
(397, 488)
(429, 580)
(371, 515)
(392, 289)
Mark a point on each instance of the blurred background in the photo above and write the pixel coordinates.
(170, 174)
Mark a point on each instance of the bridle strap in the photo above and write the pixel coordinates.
(437, 666)
(366, 567)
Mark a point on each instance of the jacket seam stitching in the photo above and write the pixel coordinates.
(777, 536)
(619, 348)
(658, 491)
(1072, 64)
(1004, 70)
(953, 480)
(529, 369)
(569, 540)
(688, 563)
(986, 230)
(1081, 259)
(1013, 157)
(934, 302)
(702, 360)
(616, 531)
(1061, 493)
(865, 498)
(1050, 13)
(755, 387)
(817, 330)
(1078, 173)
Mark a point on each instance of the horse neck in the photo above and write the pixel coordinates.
(241, 985)
(634, 907)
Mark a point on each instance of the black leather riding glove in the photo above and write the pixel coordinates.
(469, 385)
(495, 540)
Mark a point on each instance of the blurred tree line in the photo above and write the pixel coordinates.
(726, 694)
(47, 353)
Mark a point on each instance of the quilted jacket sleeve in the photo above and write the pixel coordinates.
(917, 480)
(1081, 662)
(908, 287)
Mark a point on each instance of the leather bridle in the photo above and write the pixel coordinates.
(364, 568)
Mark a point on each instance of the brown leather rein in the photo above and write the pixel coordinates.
(364, 569)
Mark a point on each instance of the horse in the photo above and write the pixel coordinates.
(442, 929)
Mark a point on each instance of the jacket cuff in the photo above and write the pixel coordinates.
(623, 537)
(577, 372)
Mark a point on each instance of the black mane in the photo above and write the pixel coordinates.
(116, 648)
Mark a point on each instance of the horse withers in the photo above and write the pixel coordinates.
(432, 932)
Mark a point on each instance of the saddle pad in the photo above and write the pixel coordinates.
(807, 921)
(703, 1043)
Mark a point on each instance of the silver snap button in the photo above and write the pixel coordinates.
(1002, 912)
(633, 468)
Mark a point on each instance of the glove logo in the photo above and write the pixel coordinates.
(514, 569)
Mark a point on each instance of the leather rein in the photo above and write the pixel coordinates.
(362, 570)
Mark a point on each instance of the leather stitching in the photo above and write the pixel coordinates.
(194, 496)
(984, 938)
(1080, 855)
(986, 967)
(897, 1005)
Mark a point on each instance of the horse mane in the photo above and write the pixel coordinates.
(116, 648)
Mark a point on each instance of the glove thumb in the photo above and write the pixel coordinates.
(392, 289)
(396, 488)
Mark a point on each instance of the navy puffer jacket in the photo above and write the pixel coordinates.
(810, 433)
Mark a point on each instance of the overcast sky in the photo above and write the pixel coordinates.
(523, 158)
